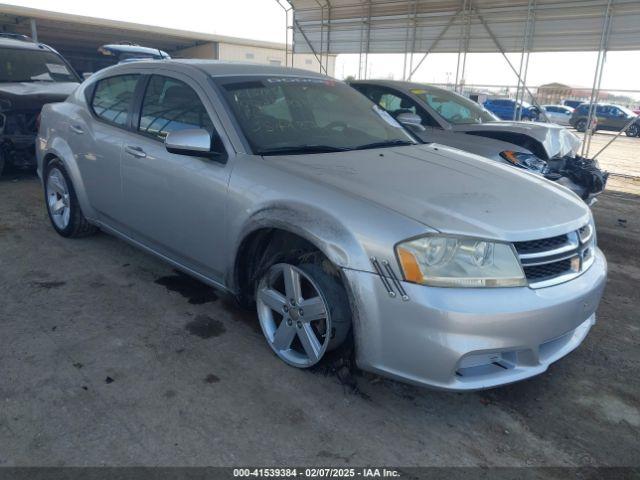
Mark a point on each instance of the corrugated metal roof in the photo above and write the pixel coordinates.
(574, 25)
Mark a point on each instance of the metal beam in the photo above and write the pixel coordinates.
(306, 39)
(435, 42)
(499, 47)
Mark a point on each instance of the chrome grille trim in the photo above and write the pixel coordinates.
(578, 247)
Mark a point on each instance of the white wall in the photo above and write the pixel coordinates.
(255, 54)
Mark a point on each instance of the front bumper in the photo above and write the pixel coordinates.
(469, 339)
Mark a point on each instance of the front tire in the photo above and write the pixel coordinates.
(581, 126)
(62, 203)
(633, 131)
(303, 311)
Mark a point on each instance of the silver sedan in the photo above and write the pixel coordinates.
(301, 197)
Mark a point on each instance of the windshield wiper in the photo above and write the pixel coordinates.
(388, 143)
(301, 149)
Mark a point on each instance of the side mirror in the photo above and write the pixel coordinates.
(193, 141)
(411, 121)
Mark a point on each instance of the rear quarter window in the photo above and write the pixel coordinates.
(112, 98)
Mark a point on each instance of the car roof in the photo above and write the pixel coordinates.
(23, 44)
(217, 68)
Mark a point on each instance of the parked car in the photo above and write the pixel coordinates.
(609, 117)
(31, 74)
(291, 190)
(504, 109)
(572, 103)
(445, 117)
(559, 114)
(127, 52)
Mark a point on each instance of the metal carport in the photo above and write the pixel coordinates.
(417, 28)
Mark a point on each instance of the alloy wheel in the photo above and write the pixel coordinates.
(58, 199)
(294, 315)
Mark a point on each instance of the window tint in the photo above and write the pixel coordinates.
(112, 98)
(169, 105)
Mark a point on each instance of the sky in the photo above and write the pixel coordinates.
(265, 20)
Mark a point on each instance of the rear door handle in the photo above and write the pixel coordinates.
(135, 151)
(77, 129)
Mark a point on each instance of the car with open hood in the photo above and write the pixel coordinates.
(312, 205)
(31, 74)
(437, 115)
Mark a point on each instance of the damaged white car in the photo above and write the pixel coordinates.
(437, 115)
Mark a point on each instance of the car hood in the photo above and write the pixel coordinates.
(447, 189)
(36, 94)
(556, 140)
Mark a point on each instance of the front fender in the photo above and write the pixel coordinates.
(337, 242)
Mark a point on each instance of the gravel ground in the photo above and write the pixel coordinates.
(108, 357)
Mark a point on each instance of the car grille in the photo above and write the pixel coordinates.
(553, 260)
(541, 245)
(547, 270)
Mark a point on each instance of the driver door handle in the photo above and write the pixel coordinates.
(77, 129)
(135, 151)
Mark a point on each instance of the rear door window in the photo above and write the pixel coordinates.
(112, 98)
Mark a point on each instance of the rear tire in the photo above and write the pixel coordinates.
(62, 203)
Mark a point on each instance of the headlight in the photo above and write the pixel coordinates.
(527, 161)
(447, 261)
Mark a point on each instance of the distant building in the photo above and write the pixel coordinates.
(78, 37)
(557, 93)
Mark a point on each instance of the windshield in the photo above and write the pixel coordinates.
(454, 108)
(22, 65)
(628, 112)
(289, 115)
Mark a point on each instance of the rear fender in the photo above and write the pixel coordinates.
(59, 148)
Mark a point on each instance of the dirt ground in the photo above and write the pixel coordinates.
(108, 357)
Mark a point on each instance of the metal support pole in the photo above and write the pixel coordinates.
(286, 35)
(367, 40)
(497, 43)
(326, 66)
(34, 30)
(466, 49)
(526, 48)
(597, 79)
(406, 40)
(464, 9)
(321, 33)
